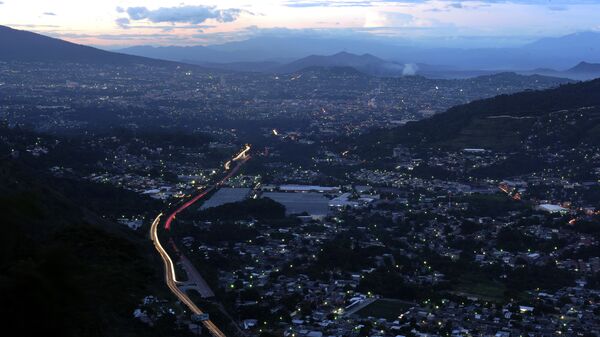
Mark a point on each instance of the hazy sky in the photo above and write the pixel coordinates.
(177, 22)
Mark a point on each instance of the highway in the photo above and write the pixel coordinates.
(194, 281)
(170, 277)
(241, 158)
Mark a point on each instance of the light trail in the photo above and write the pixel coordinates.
(514, 194)
(170, 276)
(171, 280)
(187, 204)
(242, 154)
(208, 190)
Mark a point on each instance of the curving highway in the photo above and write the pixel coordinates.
(170, 278)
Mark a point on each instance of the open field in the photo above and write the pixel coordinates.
(386, 308)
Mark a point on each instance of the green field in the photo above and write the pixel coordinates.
(471, 285)
(386, 308)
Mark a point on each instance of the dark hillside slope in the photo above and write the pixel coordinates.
(23, 46)
(63, 270)
(569, 114)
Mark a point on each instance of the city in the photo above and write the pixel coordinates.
(341, 195)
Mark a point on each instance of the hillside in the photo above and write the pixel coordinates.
(63, 267)
(567, 115)
(24, 46)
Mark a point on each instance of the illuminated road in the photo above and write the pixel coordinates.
(241, 158)
(194, 281)
(170, 278)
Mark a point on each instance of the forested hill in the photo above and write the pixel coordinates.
(64, 270)
(569, 115)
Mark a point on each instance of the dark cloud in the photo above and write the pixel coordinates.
(182, 14)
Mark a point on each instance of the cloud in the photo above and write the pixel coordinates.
(49, 14)
(303, 4)
(123, 22)
(454, 3)
(30, 26)
(183, 14)
(116, 37)
(518, 2)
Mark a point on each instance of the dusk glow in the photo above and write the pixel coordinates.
(115, 23)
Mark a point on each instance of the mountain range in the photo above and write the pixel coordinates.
(26, 46)
(375, 66)
(555, 53)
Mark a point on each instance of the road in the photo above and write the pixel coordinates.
(354, 309)
(170, 278)
(241, 158)
(194, 279)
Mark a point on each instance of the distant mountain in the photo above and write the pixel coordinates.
(24, 46)
(556, 53)
(567, 115)
(585, 67)
(191, 54)
(256, 67)
(582, 42)
(365, 63)
(585, 70)
(582, 71)
(285, 49)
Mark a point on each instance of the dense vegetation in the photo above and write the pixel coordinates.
(567, 114)
(259, 209)
(64, 271)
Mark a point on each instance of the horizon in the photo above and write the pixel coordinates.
(545, 56)
(439, 23)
